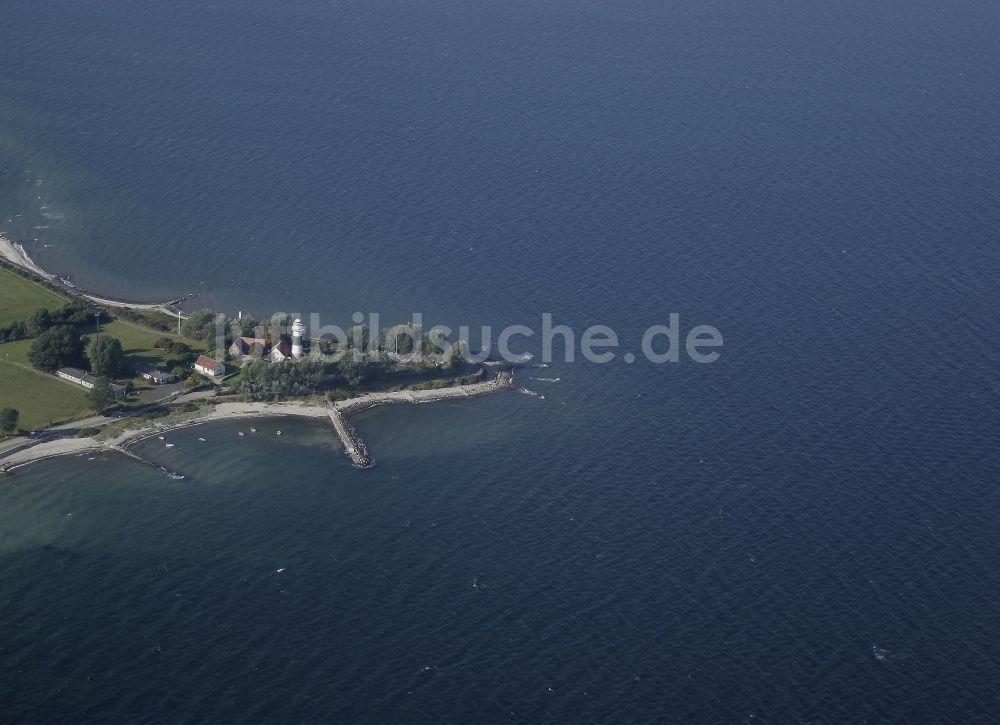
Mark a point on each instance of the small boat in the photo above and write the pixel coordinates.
(253, 430)
(241, 434)
(202, 440)
(161, 438)
(170, 445)
(278, 433)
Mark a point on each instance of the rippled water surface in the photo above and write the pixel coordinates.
(803, 531)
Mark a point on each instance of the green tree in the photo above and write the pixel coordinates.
(436, 344)
(8, 420)
(78, 314)
(39, 322)
(263, 379)
(245, 327)
(399, 339)
(57, 347)
(202, 326)
(107, 358)
(329, 345)
(14, 331)
(170, 345)
(359, 338)
(99, 396)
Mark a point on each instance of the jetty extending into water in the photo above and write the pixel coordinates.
(354, 445)
(135, 456)
(338, 413)
(113, 438)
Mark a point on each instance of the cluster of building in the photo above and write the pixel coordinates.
(154, 375)
(285, 347)
(86, 380)
(243, 348)
(82, 377)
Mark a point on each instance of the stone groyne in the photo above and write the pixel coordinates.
(353, 443)
(355, 446)
(338, 413)
(146, 461)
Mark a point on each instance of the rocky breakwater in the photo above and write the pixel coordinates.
(355, 446)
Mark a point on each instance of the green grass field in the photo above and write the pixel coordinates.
(19, 298)
(138, 341)
(15, 351)
(41, 399)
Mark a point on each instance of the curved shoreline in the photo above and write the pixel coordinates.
(15, 254)
(337, 412)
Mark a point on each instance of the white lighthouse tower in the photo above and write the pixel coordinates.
(297, 329)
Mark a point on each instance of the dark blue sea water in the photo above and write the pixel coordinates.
(804, 531)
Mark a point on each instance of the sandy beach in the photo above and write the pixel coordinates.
(49, 449)
(337, 413)
(15, 254)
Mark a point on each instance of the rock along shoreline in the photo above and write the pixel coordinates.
(338, 413)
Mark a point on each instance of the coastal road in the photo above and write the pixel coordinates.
(99, 420)
(96, 421)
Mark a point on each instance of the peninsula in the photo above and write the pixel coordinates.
(159, 380)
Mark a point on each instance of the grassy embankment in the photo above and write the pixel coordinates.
(43, 399)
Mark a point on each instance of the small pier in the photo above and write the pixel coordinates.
(339, 414)
(135, 456)
(353, 443)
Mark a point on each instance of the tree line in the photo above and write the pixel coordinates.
(76, 313)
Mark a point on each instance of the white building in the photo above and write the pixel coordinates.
(297, 329)
(252, 347)
(281, 350)
(82, 377)
(157, 377)
(75, 375)
(207, 366)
